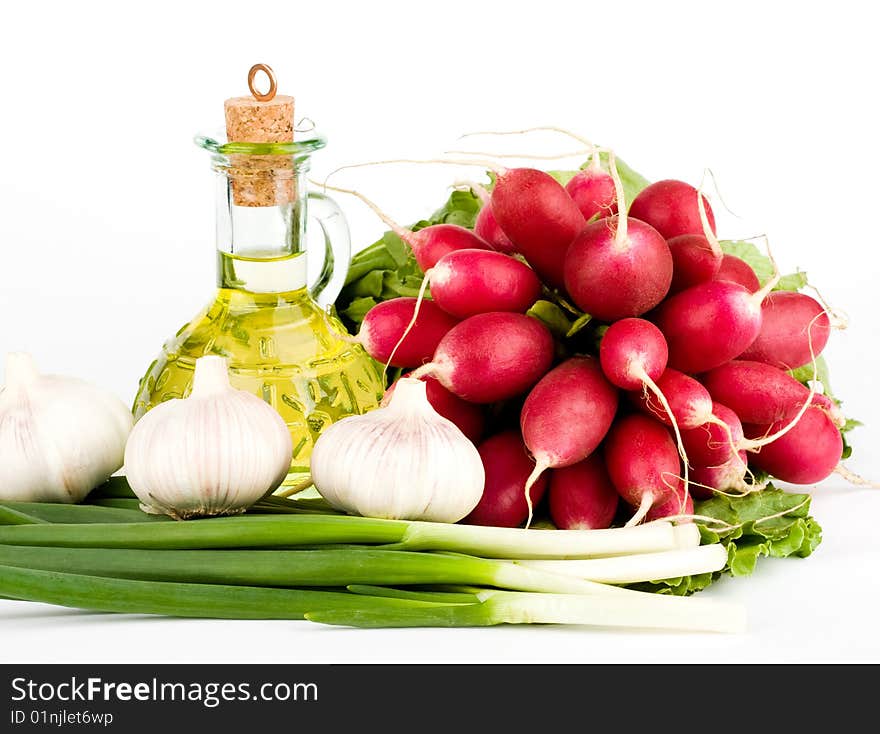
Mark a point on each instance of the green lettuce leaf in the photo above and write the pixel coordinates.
(762, 266)
(805, 374)
(552, 316)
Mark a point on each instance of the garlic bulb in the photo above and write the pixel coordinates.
(403, 461)
(60, 437)
(214, 453)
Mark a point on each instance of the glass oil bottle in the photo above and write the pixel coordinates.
(264, 317)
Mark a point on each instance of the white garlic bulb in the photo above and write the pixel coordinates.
(214, 453)
(60, 437)
(403, 461)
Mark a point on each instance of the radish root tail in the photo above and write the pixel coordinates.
(401, 231)
(734, 490)
(755, 444)
(836, 318)
(620, 197)
(490, 165)
(711, 174)
(734, 447)
(425, 369)
(854, 478)
(704, 220)
(523, 156)
(334, 330)
(761, 294)
(652, 386)
(540, 128)
(716, 525)
(540, 467)
(412, 321)
(644, 508)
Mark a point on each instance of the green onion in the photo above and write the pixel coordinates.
(297, 568)
(181, 600)
(258, 531)
(629, 609)
(446, 597)
(500, 607)
(8, 516)
(641, 567)
(76, 514)
(262, 531)
(490, 542)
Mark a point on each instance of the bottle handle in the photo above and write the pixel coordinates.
(337, 248)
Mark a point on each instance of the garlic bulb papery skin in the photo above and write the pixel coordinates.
(403, 462)
(60, 437)
(214, 453)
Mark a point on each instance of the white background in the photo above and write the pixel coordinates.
(106, 229)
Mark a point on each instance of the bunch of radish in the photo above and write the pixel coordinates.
(684, 391)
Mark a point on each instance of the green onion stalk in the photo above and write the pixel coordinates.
(221, 601)
(290, 568)
(267, 531)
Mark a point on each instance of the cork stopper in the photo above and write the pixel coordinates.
(261, 180)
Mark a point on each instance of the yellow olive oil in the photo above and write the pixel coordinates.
(279, 347)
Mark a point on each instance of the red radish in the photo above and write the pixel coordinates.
(807, 453)
(487, 227)
(491, 357)
(729, 475)
(435, 241)
(383, 327)
(709, 324)
(671, 208)
(711, 443)
(756, 392)
(592, 189)
(794, 330)
(696, 257)
(693, 261)
(711, 430)
(618, 267)
(633, 355)
(642, 462)
(737, 270)
(429, 244)
(582, 497)
(468, 417)
(672, 505)
(468, 282)
(761, 394)
(539, 217)
(507, 465)
(688, 400)
(567, 414)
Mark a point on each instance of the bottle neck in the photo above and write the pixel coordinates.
(261, 215)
